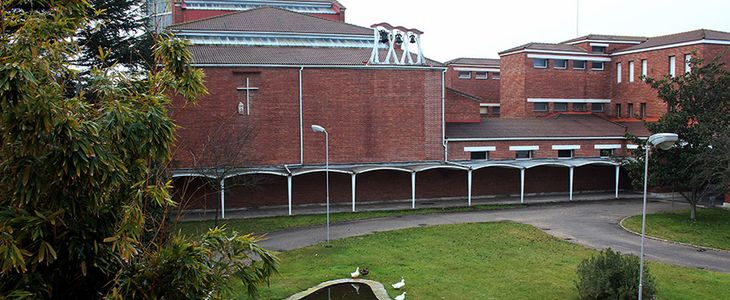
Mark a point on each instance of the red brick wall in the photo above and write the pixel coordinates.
(487, 89)
(371, 115)
(587, 148)
(512, 86)
(460, 109)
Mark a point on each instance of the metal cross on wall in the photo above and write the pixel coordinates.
(248, 88)
(396, 38)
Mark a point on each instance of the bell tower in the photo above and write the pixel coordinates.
(395, 39)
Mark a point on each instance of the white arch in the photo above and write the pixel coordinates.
(450, 167)
(497, 166)
(193, 175)
(320, 170)
(236, 174)
(605, 163)
(555, 164)
(383, 168)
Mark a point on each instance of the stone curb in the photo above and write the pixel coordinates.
(702, 248)
(377, 287)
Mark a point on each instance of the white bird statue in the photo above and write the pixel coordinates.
(401, 296)
(355, 274)
(400, 284)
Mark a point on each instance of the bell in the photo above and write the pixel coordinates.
(413, 39)
(399, 39)
(384, 36)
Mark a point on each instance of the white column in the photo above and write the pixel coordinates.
(288, 191)
(522, 185)
(469, 185)
(618, 169)
(353, 191)
(223, 198)
(572, 169)
(413, 190)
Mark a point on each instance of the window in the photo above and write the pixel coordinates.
(618, 110)
(482, 75)
(597, 65)
(618, 72)
(561, 64)
(523, 154)
(644, 66)
(579, 64)
(597, 107)
(605, 152)
(565, 153)
(560, 106)
(631, 71)
(598, 49)
(495, 75)
(540, 63)
(579, 107)
(540, 106)
(484, 110)
(479, 155)
(495, 110)
(672, 66)
(642, 110)
(464, 75)
(630, 110)
(687, 63)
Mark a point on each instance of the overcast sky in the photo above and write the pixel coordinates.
(481, 28)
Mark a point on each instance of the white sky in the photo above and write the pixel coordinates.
(481, 28)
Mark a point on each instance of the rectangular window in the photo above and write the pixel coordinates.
(523, 154)
(579, 107)
(631, 71)
(597, 65)
(565, 153)
(597, 107)
(687, 63)
(540, 63)
(598, 49)
(560, 106)
(618, 72)
(495, 75)
(618, 110)
(540, 106)
(630, 110)
(579, 64)
(495, 110)
(672, 66)
(484, 110)
(605, 152)
(479, 155)
(464, 75)
(482, 75)
(644, 66)
(642, 110)
(561, 64)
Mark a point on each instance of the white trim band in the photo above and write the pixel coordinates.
(480, 149)
(632, 146)
(537, 138)
(717, 42)
(607, 146)
(598, 45)
(566, 147)
(569, 57)
(604, 41)
(524, 148)
(546, 100)
(489, 104)
(477, 69)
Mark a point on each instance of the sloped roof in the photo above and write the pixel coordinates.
(269, 19)
(207, 54)
(682, 37)
(558, 126)
(474, 61)
(607, 37)
(547, 46)
(464, 94)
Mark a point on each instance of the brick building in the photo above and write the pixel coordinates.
(541, 119)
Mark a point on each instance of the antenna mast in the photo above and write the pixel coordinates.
(577, 17)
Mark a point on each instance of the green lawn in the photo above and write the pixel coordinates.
(471, 261)
(266, 225)
(712, 228)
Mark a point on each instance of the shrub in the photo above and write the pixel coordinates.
(611, 275)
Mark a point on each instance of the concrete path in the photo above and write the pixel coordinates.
(593, 224)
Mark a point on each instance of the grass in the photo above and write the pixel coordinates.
(270, 224)
(712, 228)
(471, 261)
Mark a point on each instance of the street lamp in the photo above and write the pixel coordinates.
(662, 141)
(317, 128)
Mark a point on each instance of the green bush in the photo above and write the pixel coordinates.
(611, 275)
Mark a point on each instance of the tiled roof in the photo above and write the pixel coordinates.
(205, 54)
(681, 37)
(547, 46)
(606, 37)
(636, 128)
(269, 19)
(559, 126)
(474, 61)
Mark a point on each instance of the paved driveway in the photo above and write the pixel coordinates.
(593, 224)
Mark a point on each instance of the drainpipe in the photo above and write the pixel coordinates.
(301, 120)
(443, 114)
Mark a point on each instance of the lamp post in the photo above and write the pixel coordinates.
(663, 141)
(317, 128)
